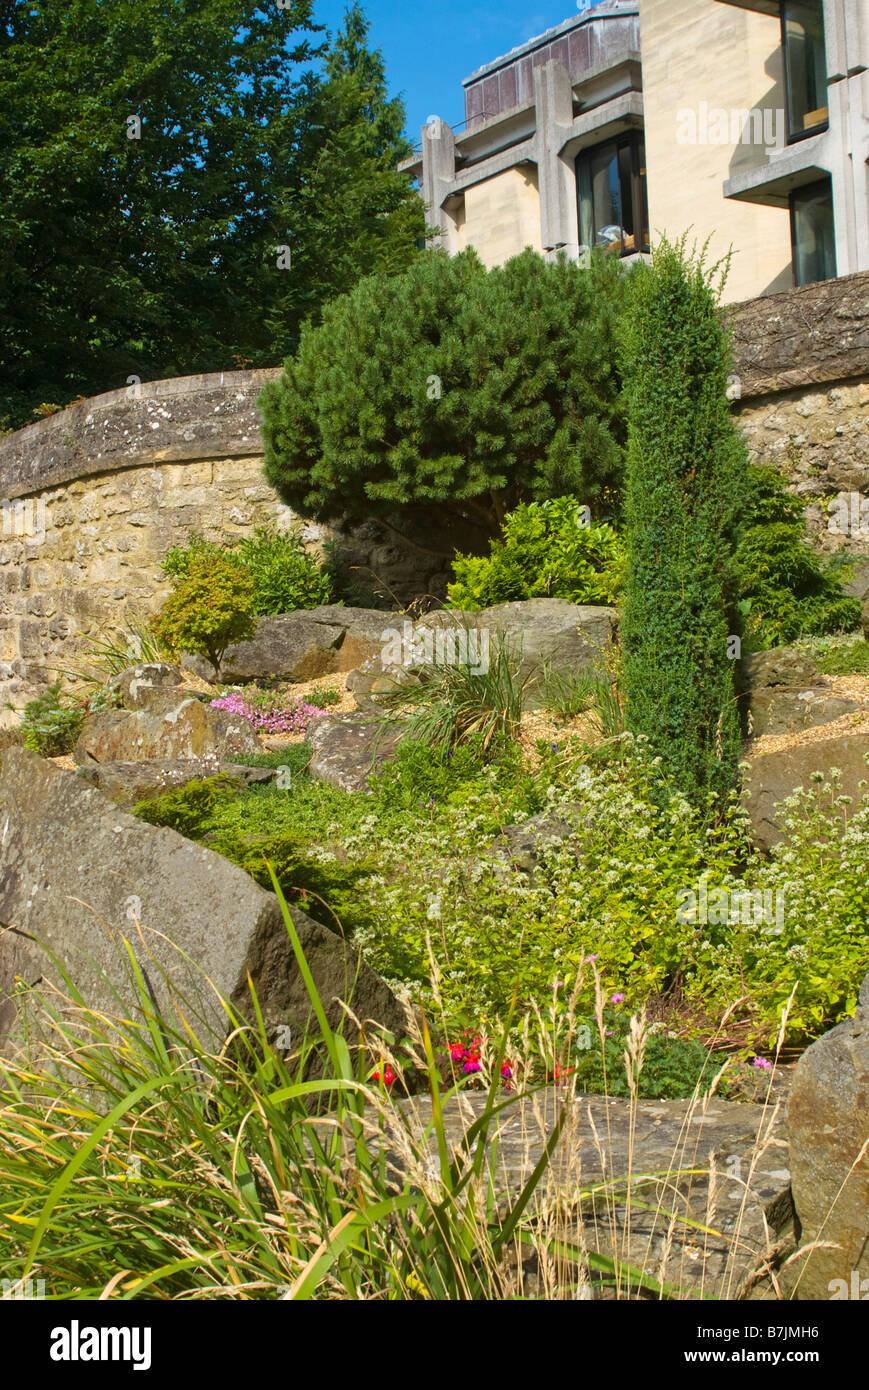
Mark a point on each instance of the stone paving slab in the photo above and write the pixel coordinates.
(709, 1190)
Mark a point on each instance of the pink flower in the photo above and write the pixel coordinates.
(761, 1062)
(272, 718)
(588, 959)
(617, 999)
(457, 1051)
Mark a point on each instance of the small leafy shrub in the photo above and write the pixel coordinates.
(284, 577)
(211, 608)
(786, 589)
(672, 1068)
(52, 723)
(269, 712)
(545, 551)
(324, 888)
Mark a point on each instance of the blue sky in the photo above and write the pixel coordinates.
(429, 48)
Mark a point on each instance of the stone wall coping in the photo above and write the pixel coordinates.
(212, 415)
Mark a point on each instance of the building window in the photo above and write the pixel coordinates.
(813, 233)
(611, 184)
(805, 67)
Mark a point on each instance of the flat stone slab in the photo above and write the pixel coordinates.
(781, 710)
(709, 1182)
(128, 783)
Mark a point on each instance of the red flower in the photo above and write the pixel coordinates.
(388, 1076)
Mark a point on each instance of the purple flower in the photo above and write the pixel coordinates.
(468, 1067)
(586, 960)
(761, 1062)
(617, 999)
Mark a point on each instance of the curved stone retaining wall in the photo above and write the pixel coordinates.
(91, 498)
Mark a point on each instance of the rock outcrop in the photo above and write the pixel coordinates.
(83, 880)
(773, 776)
(828, 1127)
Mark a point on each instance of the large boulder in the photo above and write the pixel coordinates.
(773, 776)
(302, 646)
(787, 693)
(82, 877)
(348, 749)
(171, 727)
(828, 1127)
(128, 783)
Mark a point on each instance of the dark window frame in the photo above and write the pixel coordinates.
(795, 136)
(805, 190)
(632, 139)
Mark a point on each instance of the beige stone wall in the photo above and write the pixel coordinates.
(502, 216)
(697, 51)
(93, 497)
(819, 439)
(98, 562)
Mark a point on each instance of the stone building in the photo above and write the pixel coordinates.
(743, 122)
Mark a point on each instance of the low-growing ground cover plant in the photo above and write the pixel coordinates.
(840, 654)
(418, 876)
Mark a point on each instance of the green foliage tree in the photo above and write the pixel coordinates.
(547, 550)
(210, 608)
(157, 256)
(452, 387)
(686, 479)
